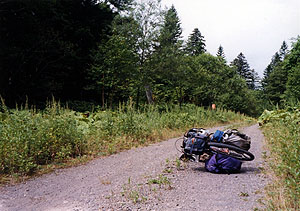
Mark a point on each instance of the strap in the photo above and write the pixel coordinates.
(192, 147)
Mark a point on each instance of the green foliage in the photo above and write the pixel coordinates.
(281, 77)
(288, 114)
(140, 124)
(205, 79)
(114, 51)
(167, 60)
(267, 81)
(283, 51)
(46, 45)
(30, 138)
(195, 44)
(276, 60)
(144, 24)
(221, 53)
(282, 130)
(81, 106)
(113, 62)
(293, 58)
(276, 85)
(161, 180)
(293, 85)
(292, 64)
(171, 30)
(242, 67)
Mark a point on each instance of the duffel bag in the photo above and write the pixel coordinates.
(234, 137)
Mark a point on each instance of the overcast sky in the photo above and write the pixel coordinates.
(256, 28)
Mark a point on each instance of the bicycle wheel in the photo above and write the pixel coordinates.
(230, 150)
(179, 144)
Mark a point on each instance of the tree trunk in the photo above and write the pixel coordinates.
(138, 98)
(149, 94)
(103, 100)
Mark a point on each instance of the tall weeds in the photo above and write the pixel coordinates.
(30, 138)
(282, 131)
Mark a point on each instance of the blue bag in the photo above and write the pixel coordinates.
(219, 163)
(195, 144)
(218, 136)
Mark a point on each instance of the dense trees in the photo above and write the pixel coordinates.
(209, 81)
(280, 82)
(45, 47)
(112, 70)
(106, 52)
(291, 64)
(274, 62)
(242, 67)
(167, 59)
(143, 30)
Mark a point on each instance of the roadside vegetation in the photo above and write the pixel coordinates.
(30, 139)
(282, 130)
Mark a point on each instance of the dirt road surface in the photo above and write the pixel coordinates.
(148, 178)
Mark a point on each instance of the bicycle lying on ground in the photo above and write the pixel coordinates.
(198, 141)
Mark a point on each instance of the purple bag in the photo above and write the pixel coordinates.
(219, 163)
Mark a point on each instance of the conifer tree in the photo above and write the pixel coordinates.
(283, 51)
(276, 84)
(171, 31)
(242, 67)
(275, 76)
(220, 52)
(292, 65)
(169, 40)
(270, 68)
(196, 43)
(274, 62)
(167, 56)
(221, 55)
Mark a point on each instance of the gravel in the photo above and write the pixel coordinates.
(148, 178)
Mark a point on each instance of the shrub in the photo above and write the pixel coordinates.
(29, 139)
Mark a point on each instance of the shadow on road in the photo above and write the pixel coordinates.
(244, 170)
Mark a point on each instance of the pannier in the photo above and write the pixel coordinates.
(195, 140)
(219, 163)
(234, 137)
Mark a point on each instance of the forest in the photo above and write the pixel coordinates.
(88, 53)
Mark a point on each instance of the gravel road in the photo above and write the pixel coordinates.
(148, 178)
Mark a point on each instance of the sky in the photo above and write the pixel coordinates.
(256, 28)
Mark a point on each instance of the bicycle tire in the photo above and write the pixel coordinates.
(176, 143)
(234, 151)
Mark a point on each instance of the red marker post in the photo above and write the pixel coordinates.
(213, 106)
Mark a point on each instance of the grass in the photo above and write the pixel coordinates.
(283, 142)
(33, 142)
(244, 194)
(135, 193)
(161, 180)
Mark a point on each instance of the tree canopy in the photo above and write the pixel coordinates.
(196, 43)
(111, 51)
(280, 82)
(242, 67)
